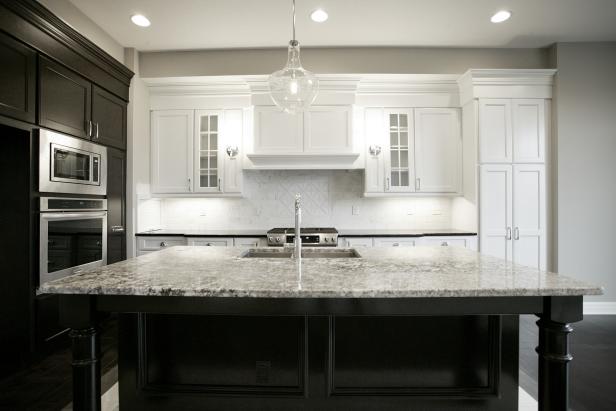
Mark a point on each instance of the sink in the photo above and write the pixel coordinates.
(306, 253)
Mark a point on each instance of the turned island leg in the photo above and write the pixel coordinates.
(553, 351)
(77, 313)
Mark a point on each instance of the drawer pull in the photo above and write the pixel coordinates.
(444, 244)
(117, 229)
(163, 244)
(396, 244)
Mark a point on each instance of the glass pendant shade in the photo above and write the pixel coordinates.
(293, 88)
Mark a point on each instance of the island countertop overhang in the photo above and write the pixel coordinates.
(420, 272)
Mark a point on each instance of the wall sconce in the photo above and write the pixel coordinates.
(374, 150)
(232, 151)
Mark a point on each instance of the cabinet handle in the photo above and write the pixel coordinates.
(444, 244)
(219, 184)
(209, 244)
(516, 233)
(90, 128)
(396, 244)
(163, 244)
(117, 229)
(189, 188)
(374, 150)
(96, 134)
(508, 233)
(418, 184)
(387, 184)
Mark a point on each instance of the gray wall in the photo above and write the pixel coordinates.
(338, 60)
(585, 126)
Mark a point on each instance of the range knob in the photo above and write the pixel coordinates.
(277, 239)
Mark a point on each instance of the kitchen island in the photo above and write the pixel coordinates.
(390, 329)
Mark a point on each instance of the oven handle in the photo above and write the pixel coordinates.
(72, 216)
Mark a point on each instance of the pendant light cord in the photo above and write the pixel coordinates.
(293, 21)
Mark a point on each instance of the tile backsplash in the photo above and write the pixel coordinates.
(329, 198)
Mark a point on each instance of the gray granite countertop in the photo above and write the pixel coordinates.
(203, 233)
(379, 273)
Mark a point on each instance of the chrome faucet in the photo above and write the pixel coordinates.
(298, 221)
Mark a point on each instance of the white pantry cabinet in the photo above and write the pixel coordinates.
(513, 213)
(171, 166)
(196, 151)
(413, 151)
(512, 130)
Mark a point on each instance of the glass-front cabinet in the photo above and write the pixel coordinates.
(207, 151)
(400, 172)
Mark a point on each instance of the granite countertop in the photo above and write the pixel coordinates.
(379, 273)
(342, 233)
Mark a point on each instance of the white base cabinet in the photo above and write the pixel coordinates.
(469, 242)
(512, 213)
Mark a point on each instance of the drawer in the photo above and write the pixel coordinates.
(395, 242)
(249, 242)
(158, 243)
(211, 242)
(355, 242)
(456, 241)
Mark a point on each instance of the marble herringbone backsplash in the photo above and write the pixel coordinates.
(328, 199)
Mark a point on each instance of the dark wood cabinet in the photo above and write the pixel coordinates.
(64, 99)
(116, 206)
(71, 104)
(17, 80)
(109, 118)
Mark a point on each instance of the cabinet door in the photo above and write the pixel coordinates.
(116, 206)
(276, 131)
(109, 118)
(400, 170)
(529, 215)
(355, 242)
(211, 242)
(395, 242)
(207, 153)
(438, 150)
(18, 80)
(528, 117)
(495, 210)
(232, 136)
(328, 129)
(374, 137)
(65, 100)
(172, 140)
(495, 131)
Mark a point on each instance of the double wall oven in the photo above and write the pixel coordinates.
(73, 210)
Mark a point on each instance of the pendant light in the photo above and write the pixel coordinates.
(293, 88)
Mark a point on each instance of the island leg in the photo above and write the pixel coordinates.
(553, 350)
(77, 313)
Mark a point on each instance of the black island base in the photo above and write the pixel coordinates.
(193, 353)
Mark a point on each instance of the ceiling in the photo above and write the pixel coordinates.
(207, 24)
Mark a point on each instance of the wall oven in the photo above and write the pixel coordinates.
(71, 165)
(73, 236)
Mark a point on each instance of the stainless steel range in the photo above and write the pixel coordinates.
(311, 237)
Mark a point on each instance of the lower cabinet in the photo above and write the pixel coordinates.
(249, 242)
(211, 241)
(356, 242)
(146, 245)
(395, 241)
(469, 242)
(453, 241)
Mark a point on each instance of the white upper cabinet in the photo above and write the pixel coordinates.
(196, 151)
(529, 131)
(172, 140)
(512, 130)
(438, 144)
(328, 129)
(529, 215)
(276, 131)
(374, 130)
(399, 158)
(495, 131)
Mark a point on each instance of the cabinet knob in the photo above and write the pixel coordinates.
(444, 244)
(209, 244)
(163, 244)
(396, 244)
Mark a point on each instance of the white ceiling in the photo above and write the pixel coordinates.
(203, 24)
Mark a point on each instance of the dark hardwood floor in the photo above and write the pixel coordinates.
(593, 369)
(47, 384)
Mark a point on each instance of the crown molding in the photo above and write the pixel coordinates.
(503, 83)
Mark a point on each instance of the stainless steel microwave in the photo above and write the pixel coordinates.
(71, 165)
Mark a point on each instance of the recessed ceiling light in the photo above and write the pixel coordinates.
(140, 20)
(319, 15)
(500, 16)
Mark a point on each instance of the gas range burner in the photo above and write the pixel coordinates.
(311, 236)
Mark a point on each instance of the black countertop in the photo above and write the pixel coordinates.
(342, 233)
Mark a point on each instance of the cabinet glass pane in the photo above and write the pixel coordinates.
(208, 152)
(399, 149)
